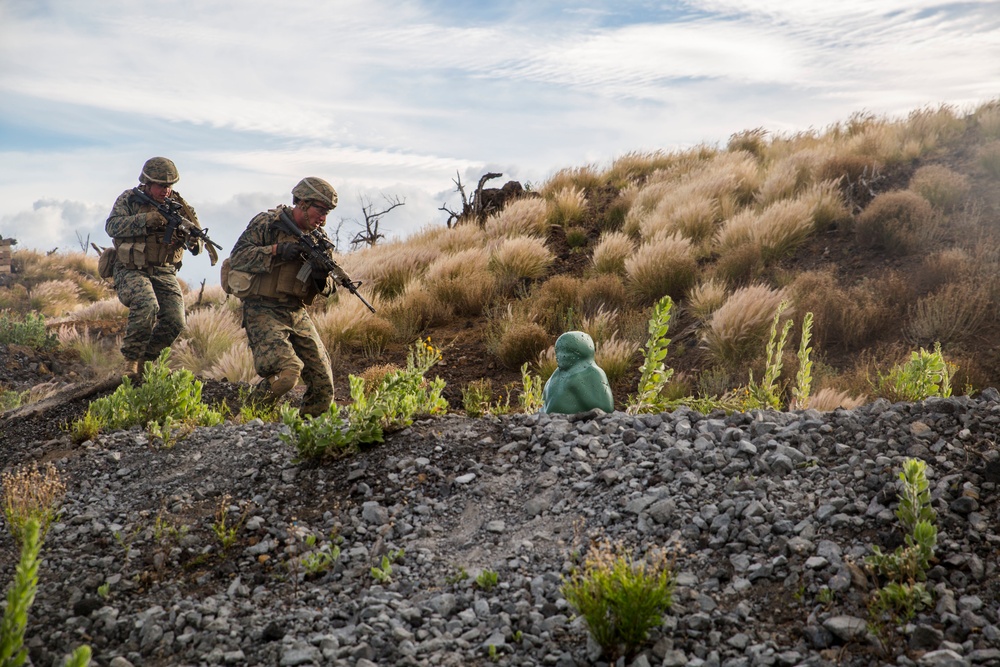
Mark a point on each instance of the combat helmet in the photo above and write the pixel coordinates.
(159, 170)
(315, 189)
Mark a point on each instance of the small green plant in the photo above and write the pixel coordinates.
(29, 331)
(321, 560)
(31, 499)
(391, 405)
(266, 411)
(492, 653)
(104, 590)
(477, 399)
(21, 595)
(383, 572)
(905, 568)
(224, 531)
(487, 580)
(766, 395)
(803, 378)
(517, 636)
(826, 596)
(459, 576)
(125, 540)
(10, 399)
(620, 599)
(531, 390)
(655, 373)
(166, 400)
(926, 374)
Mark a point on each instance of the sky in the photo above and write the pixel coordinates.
(394, 100)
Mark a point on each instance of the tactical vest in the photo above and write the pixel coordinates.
(140, 252)
(281, 283)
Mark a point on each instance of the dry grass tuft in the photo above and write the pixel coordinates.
(946, 266)
(692, 215)
(545, 363)
(462, 237)
(953, 314)
(611, 252)
(106, 309)
(988, 120)
(634, 167)
(31, 494)
(603, 291)
(573, 178)
(664, 266)
(752, 141)
(989, 159)
(740, 265)
(462, 282)
(53, 298)
(777, 230)
(414, 311)
(738, 329)
(895, 222)
(348, 325)
(567, 207)
(706, 298)
(393, 272)
(600, 326)
(208, 334)
(943, 188)
(234, 365)
(616, 357)
(373, 375)
(828, 399)
(850, 318)
(523, 217)
(520, 258)
(514, 338)
(555, 304)
(212, 295)
(99, 354)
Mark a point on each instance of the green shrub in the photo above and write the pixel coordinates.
(29, 331)
(477, 399)
(165, 400)
(391, 405)
(531, 390)
(620, 599)
(655, 373)
(907, 566)
(926, 374)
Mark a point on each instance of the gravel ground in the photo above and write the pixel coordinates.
(770, 514)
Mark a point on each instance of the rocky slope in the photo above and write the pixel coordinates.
(770, 515)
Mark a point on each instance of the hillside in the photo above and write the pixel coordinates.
(884, 229)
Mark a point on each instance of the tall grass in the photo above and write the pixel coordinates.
(53, 298)
(957, 312)
(573, 178)
(519, 258)
(234, 365)
(664, 266)
(462, 282)
(989, 159)
(895, 222)
(706, 298)
(777, 230)
(611, 252)
(738, 328)
(415, 310)
(943, 188)
(523, 217)
(349, 326)
(100, 354)
(208, 334)
(568, 206)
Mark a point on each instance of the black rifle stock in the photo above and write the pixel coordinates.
(315, 249)
(170, 209)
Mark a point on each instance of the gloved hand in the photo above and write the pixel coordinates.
(155, 221)
(287, 251)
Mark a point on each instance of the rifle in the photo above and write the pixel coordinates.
(315, 248)
(171, 210)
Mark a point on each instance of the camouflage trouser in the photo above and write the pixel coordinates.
(285, 345)
(155, 310)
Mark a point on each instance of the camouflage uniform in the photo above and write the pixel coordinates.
(283, 339)
(145, 275)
